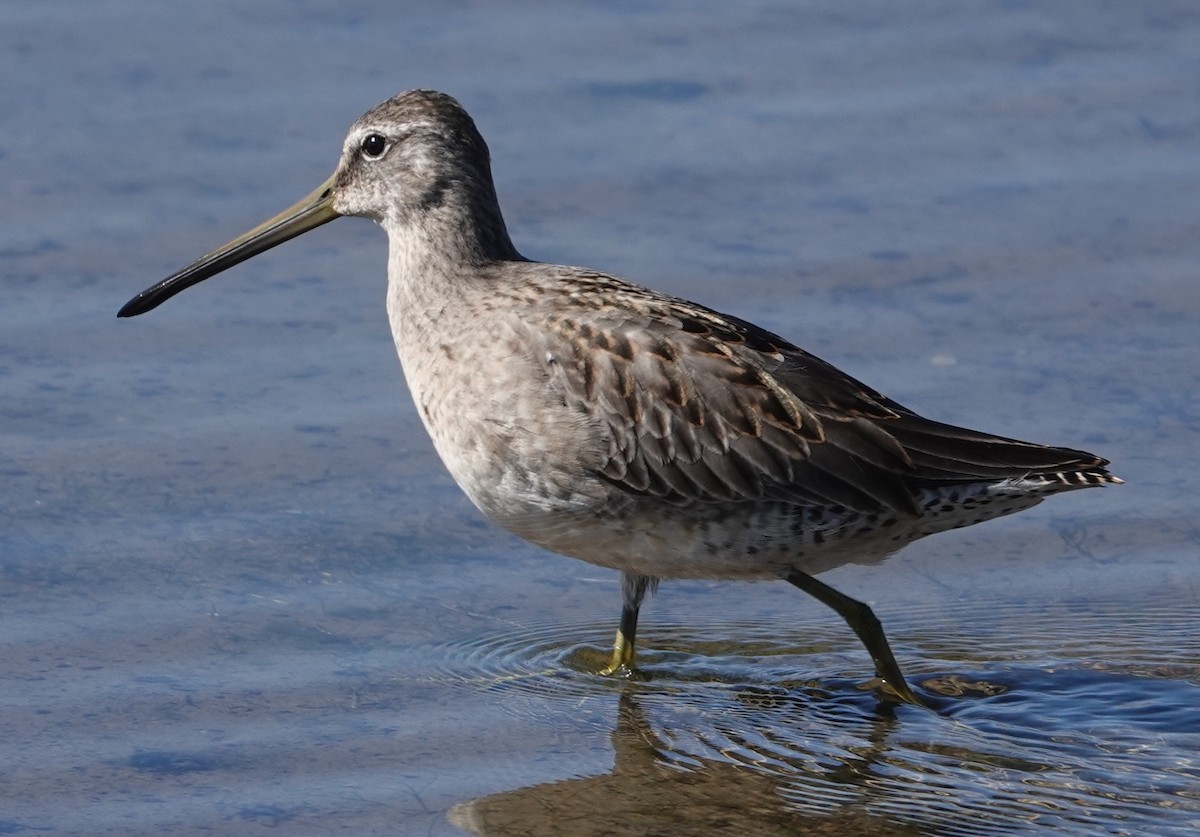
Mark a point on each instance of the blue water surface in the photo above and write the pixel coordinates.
(240, 595)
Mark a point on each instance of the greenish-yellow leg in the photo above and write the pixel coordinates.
(864, 623)
(633, 589)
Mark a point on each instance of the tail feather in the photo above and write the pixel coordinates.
(943, 453)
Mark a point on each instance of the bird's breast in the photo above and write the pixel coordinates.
(499, 423)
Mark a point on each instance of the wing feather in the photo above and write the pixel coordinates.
(704, 408)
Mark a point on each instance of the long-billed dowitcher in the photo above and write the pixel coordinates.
(634, 430)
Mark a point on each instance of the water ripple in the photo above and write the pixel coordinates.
(1088, 730)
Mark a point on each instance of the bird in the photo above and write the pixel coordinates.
(631, 429)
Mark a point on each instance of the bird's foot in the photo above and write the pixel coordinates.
(622, 672)
(899, 692)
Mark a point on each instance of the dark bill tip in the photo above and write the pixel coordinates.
(311, 212)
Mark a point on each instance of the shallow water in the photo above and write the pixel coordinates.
(238, 593)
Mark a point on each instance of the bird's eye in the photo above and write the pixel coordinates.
(373, 146)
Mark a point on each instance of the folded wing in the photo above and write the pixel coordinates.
(701, 407)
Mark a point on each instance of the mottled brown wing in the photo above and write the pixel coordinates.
(695, 413)
(701, 407)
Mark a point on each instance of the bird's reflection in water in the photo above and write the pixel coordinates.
(651, 792)
(725, 739)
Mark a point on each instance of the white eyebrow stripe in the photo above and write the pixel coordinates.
(356, 135)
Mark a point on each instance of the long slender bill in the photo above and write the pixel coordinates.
(310, 212)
